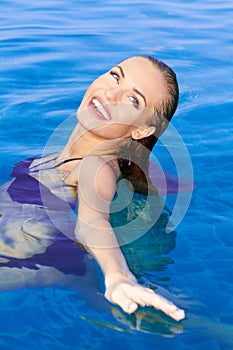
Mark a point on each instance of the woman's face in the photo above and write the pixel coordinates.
(119, 102)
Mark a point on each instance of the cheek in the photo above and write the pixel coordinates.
(92, 88)
(125, 113)
(114, 131)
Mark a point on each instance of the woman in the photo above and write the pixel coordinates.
(121, 116)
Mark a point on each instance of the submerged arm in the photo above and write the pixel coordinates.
(97, 185)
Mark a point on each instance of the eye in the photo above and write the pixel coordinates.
(134, 101)
(115, 76)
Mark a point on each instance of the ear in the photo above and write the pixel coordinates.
(143, 132)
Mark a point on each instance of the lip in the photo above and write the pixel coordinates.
(95, 111)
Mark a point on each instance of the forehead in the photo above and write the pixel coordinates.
(146, 77)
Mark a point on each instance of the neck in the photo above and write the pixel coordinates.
(83, 142)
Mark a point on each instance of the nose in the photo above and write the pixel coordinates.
(112, 95)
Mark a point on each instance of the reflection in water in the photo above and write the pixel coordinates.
(143, 320)
(148, 320)
(150, 252)
(146, 220)
(146, 256)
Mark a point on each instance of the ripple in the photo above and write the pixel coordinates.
(49, 55)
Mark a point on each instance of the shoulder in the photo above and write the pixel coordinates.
(98, 173)
(100, 165)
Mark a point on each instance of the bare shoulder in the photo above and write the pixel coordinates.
(100, 165)
(99, 173)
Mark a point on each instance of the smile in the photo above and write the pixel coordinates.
(100, 111)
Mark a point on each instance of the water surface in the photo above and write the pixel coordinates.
(50, 52)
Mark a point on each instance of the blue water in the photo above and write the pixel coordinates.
(50, 52)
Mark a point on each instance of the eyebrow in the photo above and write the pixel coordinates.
(141, 94)
(134, 89)
(121, 70)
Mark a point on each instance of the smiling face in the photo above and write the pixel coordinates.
(119, 102)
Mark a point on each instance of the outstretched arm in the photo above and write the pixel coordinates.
(97, 185)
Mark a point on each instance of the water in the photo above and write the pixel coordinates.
(50, 52)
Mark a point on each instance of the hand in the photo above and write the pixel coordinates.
(130, 295)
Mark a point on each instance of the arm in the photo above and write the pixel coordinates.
(97, 185)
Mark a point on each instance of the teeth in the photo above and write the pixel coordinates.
(100, 108)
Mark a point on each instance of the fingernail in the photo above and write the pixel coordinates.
(178, 315)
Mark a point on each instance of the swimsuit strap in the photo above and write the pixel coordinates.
(66, 161)
(33, 170)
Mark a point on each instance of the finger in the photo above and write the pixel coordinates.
(162, 304)
(145, 296)
(120, 298)
(178, 314)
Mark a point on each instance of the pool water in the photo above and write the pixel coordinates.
(50, 52)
